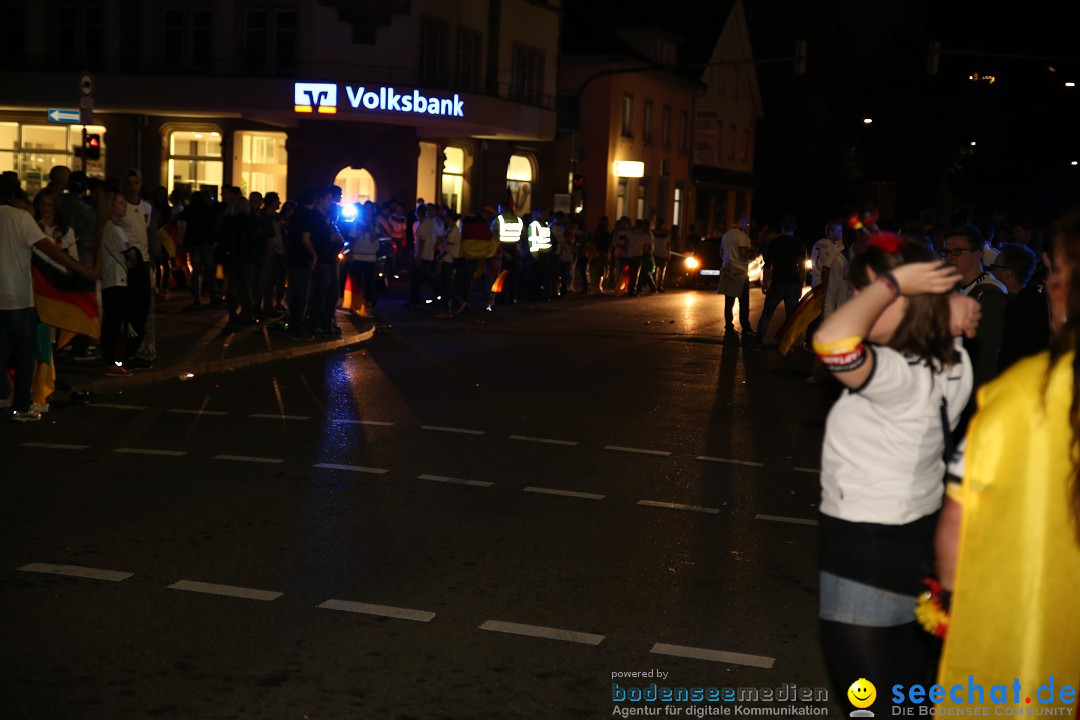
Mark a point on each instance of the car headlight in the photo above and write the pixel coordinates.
(809, 264)
(692, 263)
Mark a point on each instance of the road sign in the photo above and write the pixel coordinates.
(64, 115)
(86, 84)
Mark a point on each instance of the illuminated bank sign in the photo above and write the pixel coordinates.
(323, 98)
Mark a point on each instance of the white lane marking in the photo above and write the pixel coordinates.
(352, 468)
(143, 451)
(677, 506)
(185, 411)
(463, 431)
(783, 519)
(363, 422)
(76, 571)
(542, 632)
(55, 446)
(115, 406)
(455, 481)
(748, 463)
(271, 416)
(639, 451)
(566, 493)
(731, 658)
(226, 590)
(380, 610)
(549, 441)
(815, 471)
(247, 458)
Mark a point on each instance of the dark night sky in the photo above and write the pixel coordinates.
(868, 59)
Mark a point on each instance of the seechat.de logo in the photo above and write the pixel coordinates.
(315, 98)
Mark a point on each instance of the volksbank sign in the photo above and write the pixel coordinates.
(322, 98)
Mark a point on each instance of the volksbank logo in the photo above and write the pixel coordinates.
(322, 98)
(315, 97)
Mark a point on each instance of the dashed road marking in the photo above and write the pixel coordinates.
(248, 458)
(77, 571)
(565, 493)
(380, 610)
(186, 411)
(784, 519)
(145, 451)
(463, 431)
(813, 471)
(117, 406)
(352, 468)
(677, 506)
(272, 416)
(455, 481)
(729, 461)
(722, 656)
(548, 441)
(639, 451)
(540, 631)
(362, 422)
(226, 590)
(55, 446)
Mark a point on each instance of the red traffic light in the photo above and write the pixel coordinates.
(579, 181)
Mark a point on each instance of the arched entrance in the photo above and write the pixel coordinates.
(357, 186)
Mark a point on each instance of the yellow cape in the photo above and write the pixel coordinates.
(1016, 606)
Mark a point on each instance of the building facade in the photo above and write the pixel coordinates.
(447, 100)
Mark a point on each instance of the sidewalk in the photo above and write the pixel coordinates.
(193, 341)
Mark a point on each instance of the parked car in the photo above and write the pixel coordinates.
(702, 267)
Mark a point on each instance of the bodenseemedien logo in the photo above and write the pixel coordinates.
(315, 98)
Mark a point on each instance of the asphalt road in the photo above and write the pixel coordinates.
(493, 516)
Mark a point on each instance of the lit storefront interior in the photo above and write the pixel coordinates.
(195, 161)
(260, 162)
(519, 181)
(32, 150)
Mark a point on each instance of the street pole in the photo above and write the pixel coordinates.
(83, 153)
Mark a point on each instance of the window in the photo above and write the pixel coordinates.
(269, 40)
(527, 83)
(467, 62)
(187, 39)
(32, 150)
(676, 207)
(620, 198)
(628, 116)
(453, 178)
(684, 130)
(646, 123)
(519, 180)
(642, 198)
(433, 52)
(263, 165)
(665, 127)
(80, 34)
(357, 186)
(195, 160)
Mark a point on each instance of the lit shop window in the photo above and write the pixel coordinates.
(620, 198)
(357, 186)
(453, 178)
(263, 165)
(676, 208)
(195, 161)
(32, 150)
(519, 180)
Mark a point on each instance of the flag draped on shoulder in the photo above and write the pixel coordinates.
(64, 301)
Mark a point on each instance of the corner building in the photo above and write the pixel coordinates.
(449, 101)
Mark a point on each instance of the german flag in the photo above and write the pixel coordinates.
(807, 311)
(68, 302)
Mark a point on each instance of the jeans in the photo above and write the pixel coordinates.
(744, 310)
(661, 271)
(299, 288)
(324, 295)
(274, 290)
(363, 281)
(203, 269)
(635, 269)
(115, 343)
(18, 333)
(789, 294)
(422, 274)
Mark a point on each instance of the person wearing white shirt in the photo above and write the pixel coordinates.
(137, 224)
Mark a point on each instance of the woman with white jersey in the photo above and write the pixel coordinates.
(883, 457)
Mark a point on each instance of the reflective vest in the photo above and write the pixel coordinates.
(539, 237)
(510, 227)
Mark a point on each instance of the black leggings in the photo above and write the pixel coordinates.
(886, 656)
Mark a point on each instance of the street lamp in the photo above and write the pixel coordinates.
(867, 121)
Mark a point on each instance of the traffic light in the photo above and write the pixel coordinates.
(93, 147)
(578, 182)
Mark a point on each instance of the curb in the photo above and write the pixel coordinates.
(177, 371)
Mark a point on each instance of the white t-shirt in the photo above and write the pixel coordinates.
(821, 256)
(735, 238)
(364, 245)
(636, 240)
(660, 245)
(135, 226)
(882, 461)
(424, 235)
(18, 233)
(66, 242)
(452, 244)
(114, 243)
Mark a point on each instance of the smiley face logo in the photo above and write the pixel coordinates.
(862, 693)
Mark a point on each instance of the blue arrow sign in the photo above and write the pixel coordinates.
(63, 115)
